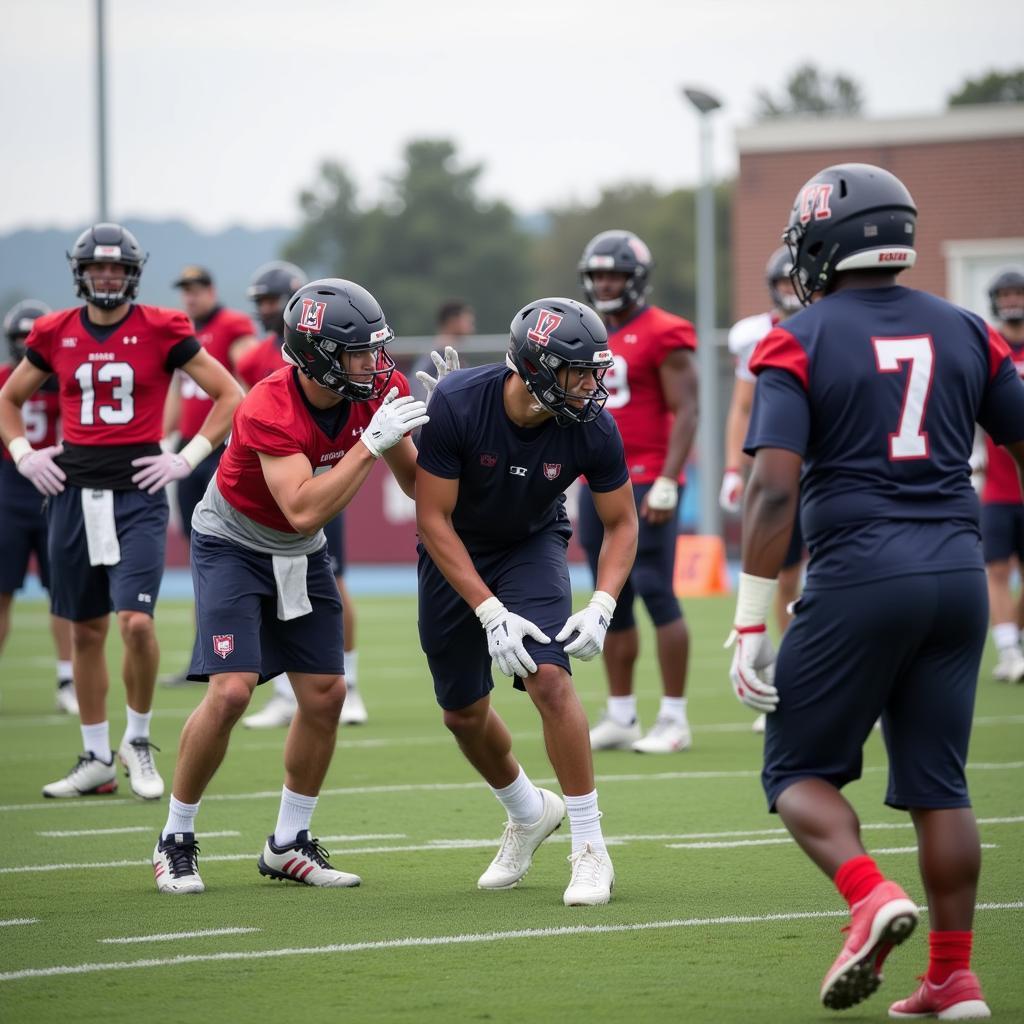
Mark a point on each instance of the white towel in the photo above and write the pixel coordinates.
(290, 576)
(100, 527)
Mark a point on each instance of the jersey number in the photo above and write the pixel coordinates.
(33, 414)
(616, 380)
(909, 441)
(123, 378)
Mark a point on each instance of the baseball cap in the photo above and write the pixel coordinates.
(194, 275)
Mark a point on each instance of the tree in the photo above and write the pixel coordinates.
(810, 92)
(995, 87)
(430, 238)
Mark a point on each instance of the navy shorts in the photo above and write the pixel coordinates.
(1002, 531)
(237, 628)
(193, 487)
(334, 531)
(652, 574)
(22, 530)
(795, 551)
(531, 579)
(80, 591)
(908, 649)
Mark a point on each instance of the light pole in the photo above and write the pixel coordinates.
(101, 113)
(709, 442)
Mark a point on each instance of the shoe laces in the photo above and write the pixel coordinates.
(183, 858)
(586, 867)
(662, 724)
(316, 853)
(84, 760)
(511, 844)
(142, 748)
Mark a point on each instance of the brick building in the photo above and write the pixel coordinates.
(964, 168)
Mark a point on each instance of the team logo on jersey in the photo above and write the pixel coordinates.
(488, 460)
(552, 470)
(223, 644)
(311, 320)
(814, 202)
(68, 342)
(547, 321)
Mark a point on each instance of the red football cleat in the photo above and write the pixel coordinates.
(959, 997)
(883, 919)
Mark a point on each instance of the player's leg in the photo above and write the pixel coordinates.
(998, 534)
(6, 601)
(354, 710)
(60, 630)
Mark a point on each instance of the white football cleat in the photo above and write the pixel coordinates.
(666, 736)
(66, 699)
(759, 723)
(137, 758)
(519, 843)
(592, 879)
(609, 735)
(176, 864)
(278, 713)
(90, 777)
(353, 711)
(303, 861)
(1010, 667)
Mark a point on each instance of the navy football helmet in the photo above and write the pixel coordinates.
(624, 253)
(849, 217)
(18, 324)
(546, 337)
(1009, 312)
(329, 317)
(780, 268)
(279, 280)
(107, 243)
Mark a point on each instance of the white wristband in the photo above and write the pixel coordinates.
(604, 601)
(196, 450)
(19, 448)
(754, 598)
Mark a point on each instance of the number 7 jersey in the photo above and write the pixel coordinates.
(878, 390)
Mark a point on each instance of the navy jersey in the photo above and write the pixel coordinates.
(879, 390)
(512, 479)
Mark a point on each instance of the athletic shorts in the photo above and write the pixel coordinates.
(1002, 531)
(334, 531)
(193, 487)
(22, 530)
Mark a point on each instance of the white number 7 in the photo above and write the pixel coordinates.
(909, 441)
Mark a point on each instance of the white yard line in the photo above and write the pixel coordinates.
(173, 936)
(414, 942)
(123, 831)
(19, 920)
(737, 844)
(362, 839)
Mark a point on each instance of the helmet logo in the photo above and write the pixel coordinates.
(311, 320)
(814, 202)
(547, 321)
(107, 252)
(640, 250)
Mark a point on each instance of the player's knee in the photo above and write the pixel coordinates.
(136, 628)
(90, 633)
(326, 701)
(229, 697)
(464, 722)
(551, 689)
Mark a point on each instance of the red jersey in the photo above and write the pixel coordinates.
(636, 400)
(216, 334)
(274, 418)
(260, 361)
(113, 380)
(41, 414)
(1002, 484)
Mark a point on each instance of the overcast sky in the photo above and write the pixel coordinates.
(221, 110)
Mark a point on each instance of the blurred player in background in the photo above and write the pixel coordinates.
(456, 321)
(22, 522)
(225, 334)
(864, 411)
(503, 444)
(652, 394)
(106, 514)
(743, 339)
(302, 443)
(1002, 510)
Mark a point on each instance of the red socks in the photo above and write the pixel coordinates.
(948, 952)
(857, 877)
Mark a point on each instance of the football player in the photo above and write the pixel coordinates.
(1002, 510)
(874, 390)
(456, 321)
(22, 523)
(652, 395)
(502, 445)
(302, 442)
(106, 511)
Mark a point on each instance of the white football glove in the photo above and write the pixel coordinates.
(590, 625)
(753, 668)
(392, 421)
(37, 466)
(449, 364)
(157, 471)
(505, 632)
(730, 497)
(663, 495)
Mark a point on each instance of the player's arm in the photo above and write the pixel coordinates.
(678, 376)
(36, 465)
(769, 511)
(617, 512)
(172, 407)
(238, 348)
(401, 461)
(222, 388)
(736, 422)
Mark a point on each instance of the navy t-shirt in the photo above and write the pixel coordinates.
(879, 389)
(512, 479)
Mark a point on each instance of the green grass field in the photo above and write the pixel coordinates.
(716, 915)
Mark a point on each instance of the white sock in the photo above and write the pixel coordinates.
(64, 673)
(673, 708)
(622, 709)
(96, 738)
(522, 800)
(1006, 634)
(351, 664)
(585, 822)
(180, 818)
(294, 816)
(137, 727)
(282, 687)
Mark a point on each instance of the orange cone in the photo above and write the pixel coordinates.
(700, 566)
